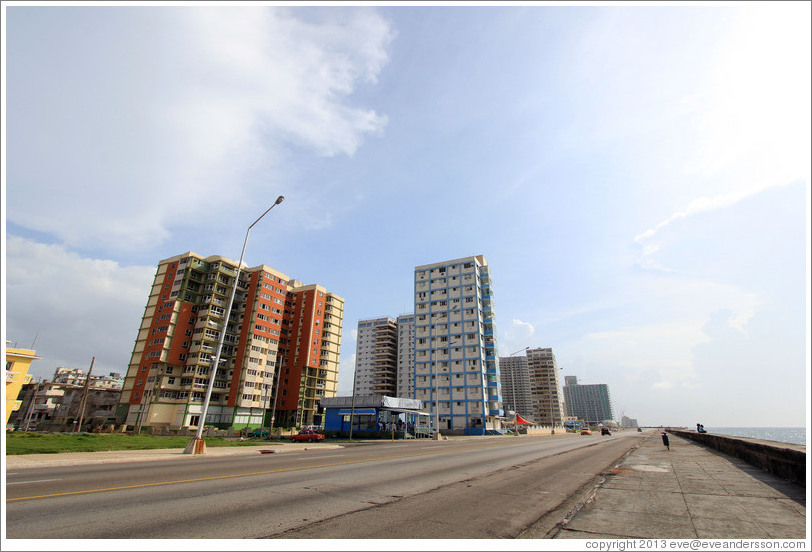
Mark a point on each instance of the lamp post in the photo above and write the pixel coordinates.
(197, 445)
(275, 393)
(352, 402)
(552, 418)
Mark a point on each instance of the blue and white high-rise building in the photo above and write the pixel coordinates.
(456, 363)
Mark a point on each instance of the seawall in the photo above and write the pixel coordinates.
(782, 459)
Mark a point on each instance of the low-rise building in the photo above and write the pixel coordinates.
(375, 416)
(17, 363)
(55, 405)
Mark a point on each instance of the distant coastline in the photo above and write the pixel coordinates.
(794, 435)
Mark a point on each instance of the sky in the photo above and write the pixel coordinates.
(637, 177)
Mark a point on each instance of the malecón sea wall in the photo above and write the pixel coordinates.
(786, 461)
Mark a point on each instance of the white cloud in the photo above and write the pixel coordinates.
(126, 149)
(76, 308)
(516, 336)
(698, 206)
(661, 349)
(751, 122)
(523, 327)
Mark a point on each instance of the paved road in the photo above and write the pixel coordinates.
(380, 490)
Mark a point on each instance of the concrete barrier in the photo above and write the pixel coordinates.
(785, 461)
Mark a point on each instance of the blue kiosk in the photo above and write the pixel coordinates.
(376, 416)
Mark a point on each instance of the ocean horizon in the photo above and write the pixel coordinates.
(793, 435)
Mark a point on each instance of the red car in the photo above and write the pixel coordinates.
(307, 435)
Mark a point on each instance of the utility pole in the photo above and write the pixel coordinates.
(83, 403)
(30, 410)
(352, 402)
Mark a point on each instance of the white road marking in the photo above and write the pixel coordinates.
(325, 456)
(35, 481)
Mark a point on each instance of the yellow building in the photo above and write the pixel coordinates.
(17, 363)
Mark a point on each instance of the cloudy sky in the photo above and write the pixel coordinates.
(637, 177)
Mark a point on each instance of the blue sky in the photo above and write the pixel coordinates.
(637, 177)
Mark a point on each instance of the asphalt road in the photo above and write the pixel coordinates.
(469, 488)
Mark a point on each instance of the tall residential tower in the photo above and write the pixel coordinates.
(376, 357)
(516, 386)
(277, 327)
(456, 367)
(544, 389)
(590, 402)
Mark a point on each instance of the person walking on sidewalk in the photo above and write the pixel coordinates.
(665, 441)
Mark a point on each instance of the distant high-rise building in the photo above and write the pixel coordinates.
(515, 377)
(590, 403)
(456, 368)
(544, 388)
(627, 422)
(277, 325)
(376, 357)
(405, 388)
(570, 380)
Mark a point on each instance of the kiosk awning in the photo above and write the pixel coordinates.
(520, 420)
(408, 411)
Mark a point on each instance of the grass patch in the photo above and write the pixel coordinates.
(54, 443)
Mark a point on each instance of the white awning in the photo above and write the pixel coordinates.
(407, 411)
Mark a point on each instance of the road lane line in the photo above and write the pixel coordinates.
(325, 456)
(265, 472)
(34, 481)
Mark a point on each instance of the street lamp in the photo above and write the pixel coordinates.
(552, 417)
(197, 445)
(275, 387)
(352, 402)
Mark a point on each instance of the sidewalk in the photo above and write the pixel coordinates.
(22, 461)
(688, 492)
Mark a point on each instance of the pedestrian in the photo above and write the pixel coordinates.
(665, 441)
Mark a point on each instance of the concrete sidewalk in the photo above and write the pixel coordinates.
(688, 492)
(22, 461)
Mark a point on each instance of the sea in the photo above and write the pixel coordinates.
(794, 435)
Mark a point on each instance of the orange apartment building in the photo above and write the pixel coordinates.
(280, 332)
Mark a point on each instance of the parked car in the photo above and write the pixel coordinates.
(586, 431)
(256, 433)
(605, 431)
(307, 435)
